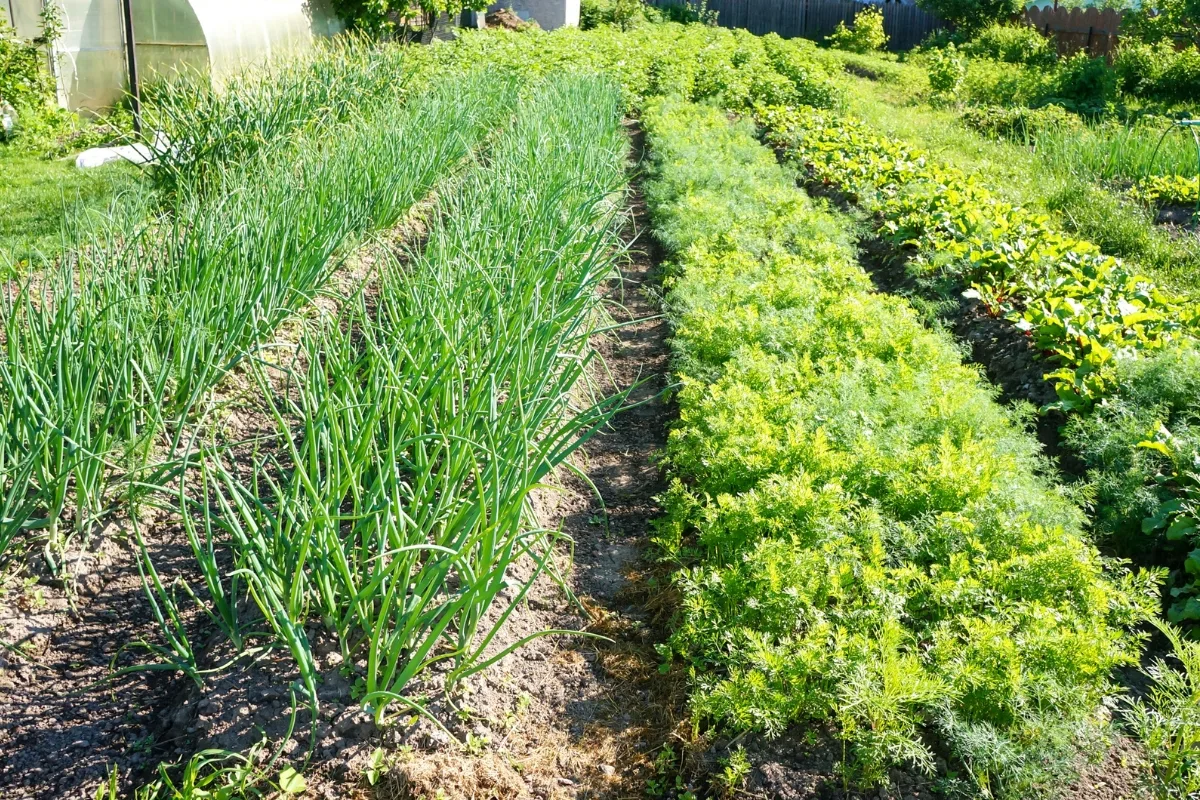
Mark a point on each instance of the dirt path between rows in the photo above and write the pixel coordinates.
(566, 716)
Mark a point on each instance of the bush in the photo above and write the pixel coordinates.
(1020, 124)
(947, 69)
(796, 60)
(1159, 72)
(1164, 21)
(1013, 44)
(24, 81)
(1086, 84)
(687, 12)
(867, 35)
(622, 13)
(996, 83)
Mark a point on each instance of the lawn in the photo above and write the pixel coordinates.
(38, 196)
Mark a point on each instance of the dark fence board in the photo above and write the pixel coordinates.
(1073, 30)
(905, 23)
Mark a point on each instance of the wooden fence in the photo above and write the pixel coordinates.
(906, 24)
(1075, 29)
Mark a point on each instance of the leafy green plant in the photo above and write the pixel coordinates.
(622, 13)
(862, 534)
(947, 69)
(1083, 308)
(25, 82)
(732, 68)
(970, 16)
(1013, 44)
(1159, 71)
(1167, 21)
(1168, 721)
(866, 36)
(1161, 189)
(1088, 84)
(1177, 518)
(383, 17)
(376, 767)
(735, 769)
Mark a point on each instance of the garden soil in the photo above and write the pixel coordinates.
(565, 716)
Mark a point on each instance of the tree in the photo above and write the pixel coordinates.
(379, 17)
(971, 16)
(1177, 20)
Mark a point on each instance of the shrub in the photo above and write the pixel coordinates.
(1020, 124)
(24, 80)
(1159, 71)
(1164, 21)
(1013, 44)
(381, 17)
(688, 12)
(947, 69)
(1139, 66)
(867, 35)
(1181, 79)
(622, 13)
(999, 84)
(1086, 84)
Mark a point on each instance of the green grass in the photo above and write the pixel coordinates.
(1066, 187)
(38, 197)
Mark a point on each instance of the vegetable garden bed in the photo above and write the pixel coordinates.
(348, 481)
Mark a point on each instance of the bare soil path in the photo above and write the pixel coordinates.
(571, 717)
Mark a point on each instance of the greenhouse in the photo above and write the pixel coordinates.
(169, 35)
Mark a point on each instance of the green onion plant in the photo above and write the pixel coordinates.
(108, 355)
(393, 503)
